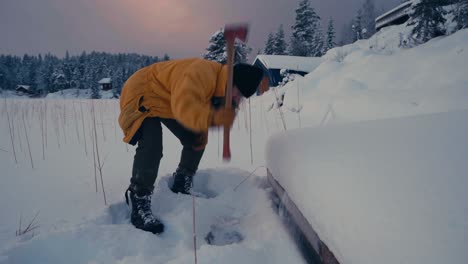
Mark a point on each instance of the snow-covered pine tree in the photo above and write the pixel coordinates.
(305, 31)
(330, 41)
(357, 26)
(279, 43)
(95, 91)
(216, 50)
(242, 52)
(461, 14)
(58, 80)
(268, 50)
(368, 19)
(318, 47)
(44, 74)
(428, 16)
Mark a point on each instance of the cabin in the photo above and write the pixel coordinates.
(273, 64)
(22, 89)
(396, 16)
(105, 84)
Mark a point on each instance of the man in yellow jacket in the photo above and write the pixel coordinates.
(184, 96)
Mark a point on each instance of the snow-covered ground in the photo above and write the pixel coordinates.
(74, 225)
(369, 80)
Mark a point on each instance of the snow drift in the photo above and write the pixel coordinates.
(386, 191)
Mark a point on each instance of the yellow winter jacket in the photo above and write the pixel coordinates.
(177, 89)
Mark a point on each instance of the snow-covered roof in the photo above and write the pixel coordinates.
(21, 86)
(105, 81)
(305, 64)
(397, 8)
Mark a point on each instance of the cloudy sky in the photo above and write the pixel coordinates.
(180, 28)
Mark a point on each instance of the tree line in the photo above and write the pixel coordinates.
(47, 73)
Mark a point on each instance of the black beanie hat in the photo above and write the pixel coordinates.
(247, 78)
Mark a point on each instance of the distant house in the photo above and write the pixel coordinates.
(396, 16)
(273, 64)
(23, 89)
(106, 84)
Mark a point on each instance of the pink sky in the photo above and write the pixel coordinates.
(180, 28)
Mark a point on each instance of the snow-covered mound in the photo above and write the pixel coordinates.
(376, 78)
(386, 191)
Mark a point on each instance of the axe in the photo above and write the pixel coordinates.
(231, 32)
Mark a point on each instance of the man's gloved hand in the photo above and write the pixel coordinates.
(223, 117)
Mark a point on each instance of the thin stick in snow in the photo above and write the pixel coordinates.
(75, 118)
(298, 102)
(194, 230)
(250, 126)
(27, 140)
(11, 132)
(41, 120)
(64, 124)
(102, 125)
(94, 161)
(84, 132)
(97, 152)
(280, 110)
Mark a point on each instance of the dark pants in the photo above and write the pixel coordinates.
(150, 151)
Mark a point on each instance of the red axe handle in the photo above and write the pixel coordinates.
(231, 32)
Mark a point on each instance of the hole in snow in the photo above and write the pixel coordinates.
(119, 213)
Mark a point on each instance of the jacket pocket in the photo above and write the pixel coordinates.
(132, 112)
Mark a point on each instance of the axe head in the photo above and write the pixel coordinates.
(233, 31)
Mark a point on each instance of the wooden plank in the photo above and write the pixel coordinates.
(305, 235)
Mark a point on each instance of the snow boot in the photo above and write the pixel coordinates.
(183, 180)
(141, 216)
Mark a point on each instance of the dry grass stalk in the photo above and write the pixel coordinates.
(27, 140)
(11, 132)
(83, 125)
(99, 164)
(33, 225)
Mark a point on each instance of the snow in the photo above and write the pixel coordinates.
(79, 94)
(76, 227)
(374, 79)
(382, 168)
(305, 64)
(105, 81)
(374, 188)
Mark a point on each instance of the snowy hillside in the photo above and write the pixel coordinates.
(375, 79)
(397, 184)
